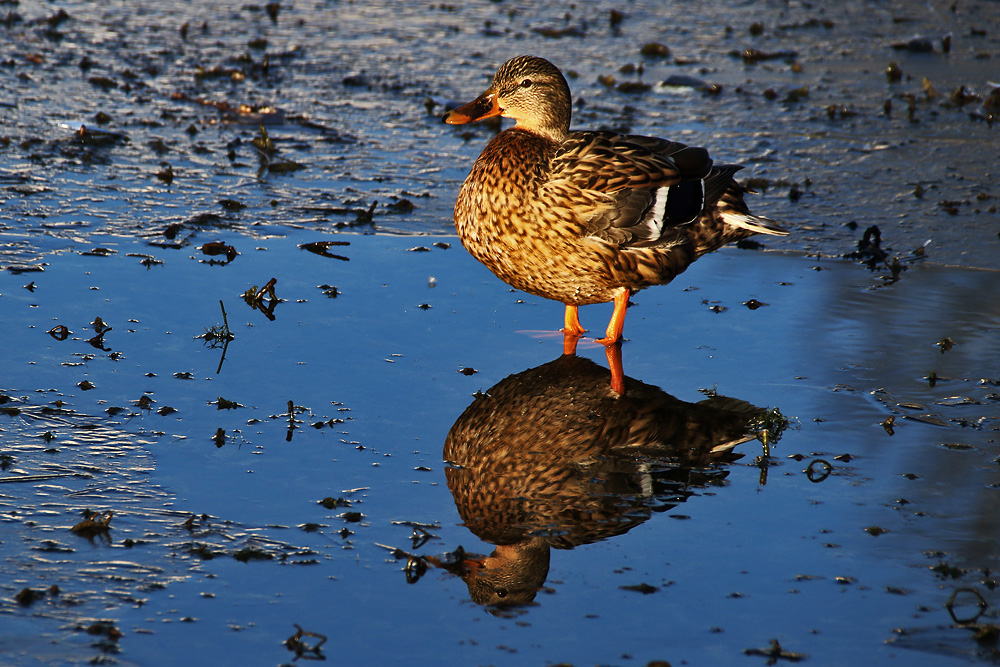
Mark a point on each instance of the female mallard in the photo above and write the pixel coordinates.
(588, 217)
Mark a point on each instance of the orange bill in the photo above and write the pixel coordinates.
(482, 107)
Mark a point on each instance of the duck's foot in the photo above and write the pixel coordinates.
(572, 326)
(613, 335)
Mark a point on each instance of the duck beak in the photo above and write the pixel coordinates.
(472, 565)
(482, 107)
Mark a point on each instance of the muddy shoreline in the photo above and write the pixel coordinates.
(843, 119)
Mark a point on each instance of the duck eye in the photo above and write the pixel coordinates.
(526, 83)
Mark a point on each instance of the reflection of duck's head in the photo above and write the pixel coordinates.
(552, 457)
(510, 576)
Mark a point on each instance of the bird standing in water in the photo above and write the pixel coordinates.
(588, 217)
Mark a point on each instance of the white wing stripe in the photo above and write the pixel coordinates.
(659, 207)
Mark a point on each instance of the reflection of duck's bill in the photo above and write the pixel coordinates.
(466, 564)
(472, 566)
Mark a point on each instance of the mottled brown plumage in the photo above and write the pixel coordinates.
(588, 217)
(551, 457)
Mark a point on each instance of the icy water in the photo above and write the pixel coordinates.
(306, 472)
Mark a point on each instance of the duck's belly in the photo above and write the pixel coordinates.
(578, 279)
(563, 266)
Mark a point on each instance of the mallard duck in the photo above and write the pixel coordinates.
(588, 217)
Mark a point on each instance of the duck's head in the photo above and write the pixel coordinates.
(528, 89)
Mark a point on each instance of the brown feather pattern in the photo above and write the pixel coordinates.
(576, 216)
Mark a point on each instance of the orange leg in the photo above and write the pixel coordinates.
(572, 319)
(614, 355)
(569, 343)
(617, 323)
(572, 330)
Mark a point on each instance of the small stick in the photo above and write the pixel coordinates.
(225, 320)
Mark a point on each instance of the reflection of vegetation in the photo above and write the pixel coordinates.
(301, 649)
(322, 248)
(871, 253)
(217, 335)
(293, 423)
(971, 616)
(254, 298)
(100, 328)
(215, 248)
(769, 427)
(775, 652)
(945, 344)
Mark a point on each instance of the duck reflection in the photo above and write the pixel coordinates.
(553, 457)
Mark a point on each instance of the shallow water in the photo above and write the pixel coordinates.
(878, 502)
(753, 556)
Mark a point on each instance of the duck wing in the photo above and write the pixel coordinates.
(635, 191)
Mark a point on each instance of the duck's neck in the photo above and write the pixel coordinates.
(553, 130)
(521, 155)
(551, 118)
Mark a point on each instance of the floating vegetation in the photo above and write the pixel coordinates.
(216, 248)
(775, 652)
(94, 524)
(297, 645)
(226, 404)
(769, 427)
(263, 299)
(322, 248)
(270, 161)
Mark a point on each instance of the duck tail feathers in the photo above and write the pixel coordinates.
(753, 223)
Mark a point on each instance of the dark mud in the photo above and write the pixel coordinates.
(172, 97)
(265, 476)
